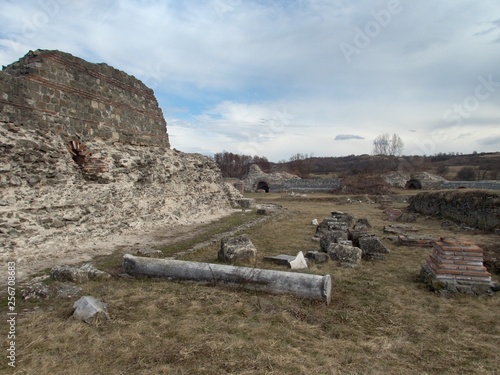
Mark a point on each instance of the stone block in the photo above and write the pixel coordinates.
(317, 256)
(333, 236)
(80, 274)
(372, 248)
(150, 253)
(236, 249)
(90, 310)
(344, 255)
(294, 262)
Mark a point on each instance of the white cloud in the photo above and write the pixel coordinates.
(233, 65)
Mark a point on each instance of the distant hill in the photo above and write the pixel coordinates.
(480, 166)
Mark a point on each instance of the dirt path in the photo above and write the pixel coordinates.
(128, 242)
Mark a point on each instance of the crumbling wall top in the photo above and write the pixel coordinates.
(55, 91)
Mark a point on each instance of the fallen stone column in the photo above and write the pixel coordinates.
(278, 282)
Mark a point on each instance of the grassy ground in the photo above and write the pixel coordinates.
(382, 320)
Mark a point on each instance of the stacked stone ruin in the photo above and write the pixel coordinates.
(456, 265)
(84, 154)
(347, 242)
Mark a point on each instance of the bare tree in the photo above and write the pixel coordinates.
(301, 164)
(384, 144)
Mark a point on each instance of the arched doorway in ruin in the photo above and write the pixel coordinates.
(263, 185)
(413, 184)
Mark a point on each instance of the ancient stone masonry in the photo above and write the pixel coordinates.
(55, 91)
(477, 209)
(456, 266)
(286, 182)
(428, 181)
(84, 154)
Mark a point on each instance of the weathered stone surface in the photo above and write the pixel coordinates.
(281, 259)
(245, 202)
(372, 248)
(80, 274)
(343, 217)
(456, 266)
(317, 256)
(407, 217)
(67, 290)
(90, 310)
(294, 262)
(57, 207)
(150, 253)
(36, 291)
(299, 262)
(354, 235)
(399, 228)
(344, 255)
(478, 209)
(413, 240)
(331, 223)
(362, 221)
(393, 213)
(333, 236)
(256, 279)
(236, 249)
(424, 180)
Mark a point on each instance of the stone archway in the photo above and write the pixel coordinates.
(263, 185)
(413, 184)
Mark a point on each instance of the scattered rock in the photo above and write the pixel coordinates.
(344, 255)
(317, 256)
(294, 262)
(399, 228)
(343, 217)
(245, 202)
(354, 235)
(407, 218)
(235, 249)
(364, 222)
(80, 274)
(67, 290)
(314, 222)
(417, 241)
(36, 291)
(299, 262)
(372, 248)
(330, 237)
(393, 213)
(150, 253)
(90, 310)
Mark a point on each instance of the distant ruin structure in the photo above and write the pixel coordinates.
(257, 180)
(85, 154)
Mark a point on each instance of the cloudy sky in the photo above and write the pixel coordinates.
(277, 77)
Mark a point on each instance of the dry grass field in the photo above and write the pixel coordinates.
(382, 319)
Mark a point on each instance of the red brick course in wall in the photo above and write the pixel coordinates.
(55, 91)
(456, 265)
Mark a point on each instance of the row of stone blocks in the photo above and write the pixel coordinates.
(456, 265)
(347, 244)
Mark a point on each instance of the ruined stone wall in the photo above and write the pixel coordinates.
(52, 90)
(476, 209)
(55, 210)
(488, 185)
(308, 185)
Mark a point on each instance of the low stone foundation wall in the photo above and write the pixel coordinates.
(478, 209)
(489, 185)
(305, 185)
